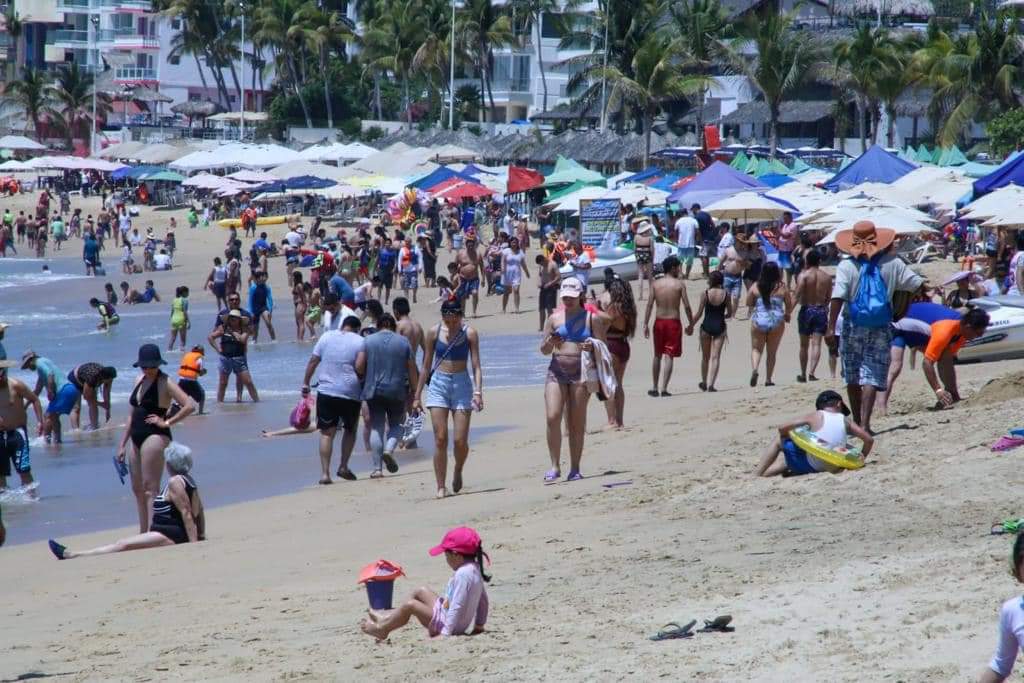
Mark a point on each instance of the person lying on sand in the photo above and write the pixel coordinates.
(829, 422)
(462, 610)
(177, 515)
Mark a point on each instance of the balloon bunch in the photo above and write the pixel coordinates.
(406, 205)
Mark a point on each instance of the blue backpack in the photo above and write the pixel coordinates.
(870, 306)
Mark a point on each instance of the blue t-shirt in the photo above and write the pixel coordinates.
(147, 295)
(468, 217)
(341, 288)
(45, 369)
(915, 328)
(386, 259)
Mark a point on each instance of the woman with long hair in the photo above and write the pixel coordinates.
(715, 306)
(617, 303)
(449, 349)
(149, 429)
(772, 304)
(567, 335)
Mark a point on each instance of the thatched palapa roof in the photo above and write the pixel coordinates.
(908, 8)
(712, 111)
(790, 112)
(197, 109)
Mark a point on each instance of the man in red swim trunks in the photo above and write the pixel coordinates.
(669, 293)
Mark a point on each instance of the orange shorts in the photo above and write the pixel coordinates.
(668, 337)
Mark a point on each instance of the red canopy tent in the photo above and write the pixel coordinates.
(523, 179)
(459, 189)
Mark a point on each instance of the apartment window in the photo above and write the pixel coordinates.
(174, 59)
(556, 25)
(123, 22)
(512, 73)
(176, 24)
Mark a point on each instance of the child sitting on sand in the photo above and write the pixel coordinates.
(829, 423)
(462, 610)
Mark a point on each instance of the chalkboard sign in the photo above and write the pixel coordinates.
(597, 217)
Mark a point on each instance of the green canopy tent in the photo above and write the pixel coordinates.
(801, 166)
(752, 166)
(569, 189)
(952, 157)
(568, 171)
(777, 167)
(764, 167)
(740, 162)
(166, 176)
(937, 155)
(923, 155)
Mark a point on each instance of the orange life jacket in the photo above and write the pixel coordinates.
(190, 365)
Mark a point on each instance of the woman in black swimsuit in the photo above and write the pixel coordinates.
(715, 306)
(643, 250)
(150, 429)
(177, 515)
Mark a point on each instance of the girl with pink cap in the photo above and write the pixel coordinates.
(462, 610)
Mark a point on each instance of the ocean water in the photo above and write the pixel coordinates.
(78, 490)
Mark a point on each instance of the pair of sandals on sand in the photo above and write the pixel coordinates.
(674, 630)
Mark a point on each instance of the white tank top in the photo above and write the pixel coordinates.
(220, 274)
(833, 429)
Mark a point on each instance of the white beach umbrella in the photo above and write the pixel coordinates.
(998, 202)
(748, 207)
(900, 225)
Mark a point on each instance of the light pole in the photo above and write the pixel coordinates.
(451, 77)
(94, 19)
(241, 104)
(604, 69)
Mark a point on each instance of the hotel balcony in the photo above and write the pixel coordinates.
(131, 39)
(134, 74)
(144, 6)
(74, 38)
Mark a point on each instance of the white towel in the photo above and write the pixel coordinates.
(597, 370)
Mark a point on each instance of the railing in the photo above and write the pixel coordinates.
(517, 85)
(144, 5)
(133, 37)
(134, 73)
(75, 5)
(78, 36)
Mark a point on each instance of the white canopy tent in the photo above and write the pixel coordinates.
(236, 155)
(900, 225)
(15, 166)
(1005, 200)
(747, 207)
(20, 143)
(300, 167)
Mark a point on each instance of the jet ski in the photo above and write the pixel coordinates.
(620, 259)
(1004, 337)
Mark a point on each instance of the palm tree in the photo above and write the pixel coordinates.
(860, 63)
(483, 27)
(973, 76)
(626, 23)
(535, 12)
(199, 34)
(71, 103)
(29, 93)
(657, 79)
(324, 31)
(782, 61)
(279, 26)
(701, 28)
(392, 41)
(14, 26)
(432, 58)
(895, 80)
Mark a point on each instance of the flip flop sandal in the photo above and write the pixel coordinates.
(665, 393)
(702, 386)
(121, 468)
(574, 476)
(753, 379)
(1009, 526)
(389, 462)
(57, 549)
(346, 474)
(552, 475)
(719, 624)
(652, 392)
(673, 630)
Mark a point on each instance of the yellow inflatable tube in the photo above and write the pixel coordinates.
(845, 457)
(263, 220)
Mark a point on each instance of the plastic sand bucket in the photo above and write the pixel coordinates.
(380, 593)
(379, 578)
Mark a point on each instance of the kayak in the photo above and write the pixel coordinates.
(263, 220)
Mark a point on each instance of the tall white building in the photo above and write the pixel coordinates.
(128, 37)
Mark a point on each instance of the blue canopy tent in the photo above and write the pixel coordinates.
(875, 165)
(775, 179)
(716, 182)
(302, 182)
(439, 175)
(644, 175)
(1010, 171)
(474, 170)
(135, 172)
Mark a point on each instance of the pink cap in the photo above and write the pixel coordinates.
(461, 540)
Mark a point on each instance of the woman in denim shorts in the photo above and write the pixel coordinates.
(450, 348)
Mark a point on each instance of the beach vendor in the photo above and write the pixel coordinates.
(872, 289)
(829, 424)
(463, 608)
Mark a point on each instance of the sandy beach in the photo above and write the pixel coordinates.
(884, 573)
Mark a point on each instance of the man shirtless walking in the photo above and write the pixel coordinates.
(668, 293)
(733, 265)
(813, 291)
(547, 290)
(471, 270)
(407, 327)
(14, 399)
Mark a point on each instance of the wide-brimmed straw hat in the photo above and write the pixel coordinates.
(28, 358)
(644, 227)
(864, 239)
